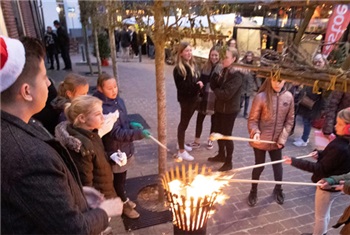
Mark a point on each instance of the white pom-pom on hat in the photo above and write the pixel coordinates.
(12, 60)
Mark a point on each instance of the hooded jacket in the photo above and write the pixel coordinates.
(275, 124)
(122, 135)
(87, 151)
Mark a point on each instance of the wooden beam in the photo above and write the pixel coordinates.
(304, 25)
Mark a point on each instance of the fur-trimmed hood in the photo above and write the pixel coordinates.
(65, 138)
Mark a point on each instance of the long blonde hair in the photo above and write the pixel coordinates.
(83, 104)
(180, 62)
(209, 65)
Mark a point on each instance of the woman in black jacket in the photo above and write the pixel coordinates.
(187, 83)
(227, 86)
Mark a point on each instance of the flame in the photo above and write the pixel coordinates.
(196, 198)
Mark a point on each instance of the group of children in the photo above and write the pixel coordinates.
(98, 134)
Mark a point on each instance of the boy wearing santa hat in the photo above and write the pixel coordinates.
(40, 187)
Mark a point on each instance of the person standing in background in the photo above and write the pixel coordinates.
(63, 42)
(51, 44)
(125, 42)
(249, 83)
(117, 40)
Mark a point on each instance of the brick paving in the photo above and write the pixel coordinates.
(295, 216)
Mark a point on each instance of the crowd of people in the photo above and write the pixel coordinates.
(220, 88)
(70, 174)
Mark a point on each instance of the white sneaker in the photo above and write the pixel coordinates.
(185, 156)
(187, 148)
(210, 144)
(193, 145)
(300, 143)
(177, 158)
(297, 139)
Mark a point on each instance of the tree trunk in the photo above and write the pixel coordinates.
(87, 49)
(113, 52)
(159, 43)
(97, 52)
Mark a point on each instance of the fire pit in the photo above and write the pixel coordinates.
(191, 193)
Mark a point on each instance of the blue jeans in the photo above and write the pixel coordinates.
(151, 51)
(307, 129)
(245, 99)
(323, 204)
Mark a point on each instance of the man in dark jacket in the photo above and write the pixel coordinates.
(125, 42)
(63, 43)
(41, 191)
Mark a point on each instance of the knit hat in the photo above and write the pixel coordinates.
(12, 60)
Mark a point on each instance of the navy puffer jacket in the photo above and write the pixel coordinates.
(122, 135)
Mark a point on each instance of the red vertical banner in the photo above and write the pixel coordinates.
(337, 24)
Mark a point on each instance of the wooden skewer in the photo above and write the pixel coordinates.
(218, 136)
(267, 163)
(174, 155)
(271, 182)
(159, 143)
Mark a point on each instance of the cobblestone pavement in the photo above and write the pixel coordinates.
(295, 216)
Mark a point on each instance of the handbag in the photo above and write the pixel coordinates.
(207, 103)
(307, 102)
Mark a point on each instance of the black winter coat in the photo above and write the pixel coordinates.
(41, 191)
(227, 87)
(62, 38)
(333, 160)
(187, 88)
(125, 38)
(337, 101)
(88, 154)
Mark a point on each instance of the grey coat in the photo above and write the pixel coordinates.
(41, 191)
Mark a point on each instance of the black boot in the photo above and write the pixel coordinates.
(253, 197)
(278, 195)
(226, 167)
(217, 158)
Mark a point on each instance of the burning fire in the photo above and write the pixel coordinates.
(200, 187)
(192, 195)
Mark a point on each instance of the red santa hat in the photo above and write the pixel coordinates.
(12, 60)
